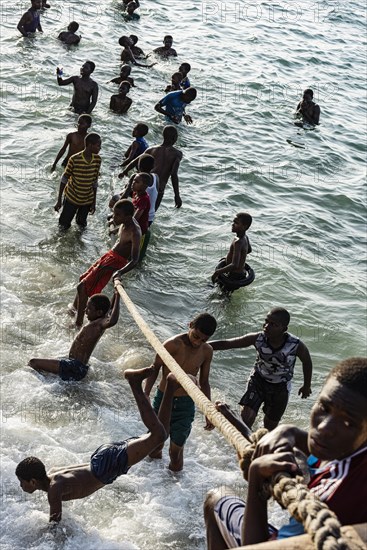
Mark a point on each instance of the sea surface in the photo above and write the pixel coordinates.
(304, 188)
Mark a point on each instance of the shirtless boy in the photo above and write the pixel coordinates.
(137, 52)
(85, 89)
(109, 461)
(124, 75)
(240, 247)
(122, 258)
(270, 380)
(30, 21)
(120, 103)
(175, 85)
(70, 37)
(167, 161)
(74, 140)
(166, 50)
(307, 110)
(127, 55)
(194, 355)
(101, 315)
(337, 445)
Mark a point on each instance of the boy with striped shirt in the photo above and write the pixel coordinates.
(79, 184)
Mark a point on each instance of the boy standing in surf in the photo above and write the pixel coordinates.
(78, 184)
(109, 461)
(270, 380)
(194, 356)
(101, 315)
(240, 247)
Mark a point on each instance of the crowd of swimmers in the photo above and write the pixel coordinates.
(337, 440)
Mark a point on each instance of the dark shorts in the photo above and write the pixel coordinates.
(183, 413)
(229, 513)
(109, 461)
(274, 396)
(72, 369)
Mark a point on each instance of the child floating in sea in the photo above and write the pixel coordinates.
(124, 75)
(69, 37)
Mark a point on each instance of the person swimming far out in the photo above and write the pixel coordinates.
(307, 110)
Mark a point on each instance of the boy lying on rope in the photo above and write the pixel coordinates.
(337, 445)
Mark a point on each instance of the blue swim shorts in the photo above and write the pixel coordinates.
(229, 513)
(182, 417)
(109, 461)
(72, 369)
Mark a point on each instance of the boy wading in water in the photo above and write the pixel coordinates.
(109, 461)
(117, 261)
(101, 315)
(240, 247)
(79, 184)
(194, 356)
(85, 89)
(270, 380)
(75, 141)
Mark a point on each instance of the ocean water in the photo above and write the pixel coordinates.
(304, 188)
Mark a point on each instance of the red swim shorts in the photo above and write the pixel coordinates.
(98, 275)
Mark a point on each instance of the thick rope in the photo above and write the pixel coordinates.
(291, 493)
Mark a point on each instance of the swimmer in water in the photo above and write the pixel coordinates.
(85, 89)
(166, 50)
(69, 37)
(30, 21)
(121, 103)
(307, 110)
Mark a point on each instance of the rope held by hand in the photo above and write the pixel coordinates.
(319, 522)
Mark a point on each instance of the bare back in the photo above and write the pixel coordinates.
(189, 358)
(167, 159)
(86, 340)
(73, 482)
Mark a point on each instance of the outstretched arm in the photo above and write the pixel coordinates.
(305, 357)
(64, 81)
(131, 165)
(234, 343)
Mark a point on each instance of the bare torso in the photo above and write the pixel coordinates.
(189, 358)
(120, 104)
(125, 238)
(76, 143)
(73, 482)
(165, 158)
(86, 340)
(242, 246)
(83, 90)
